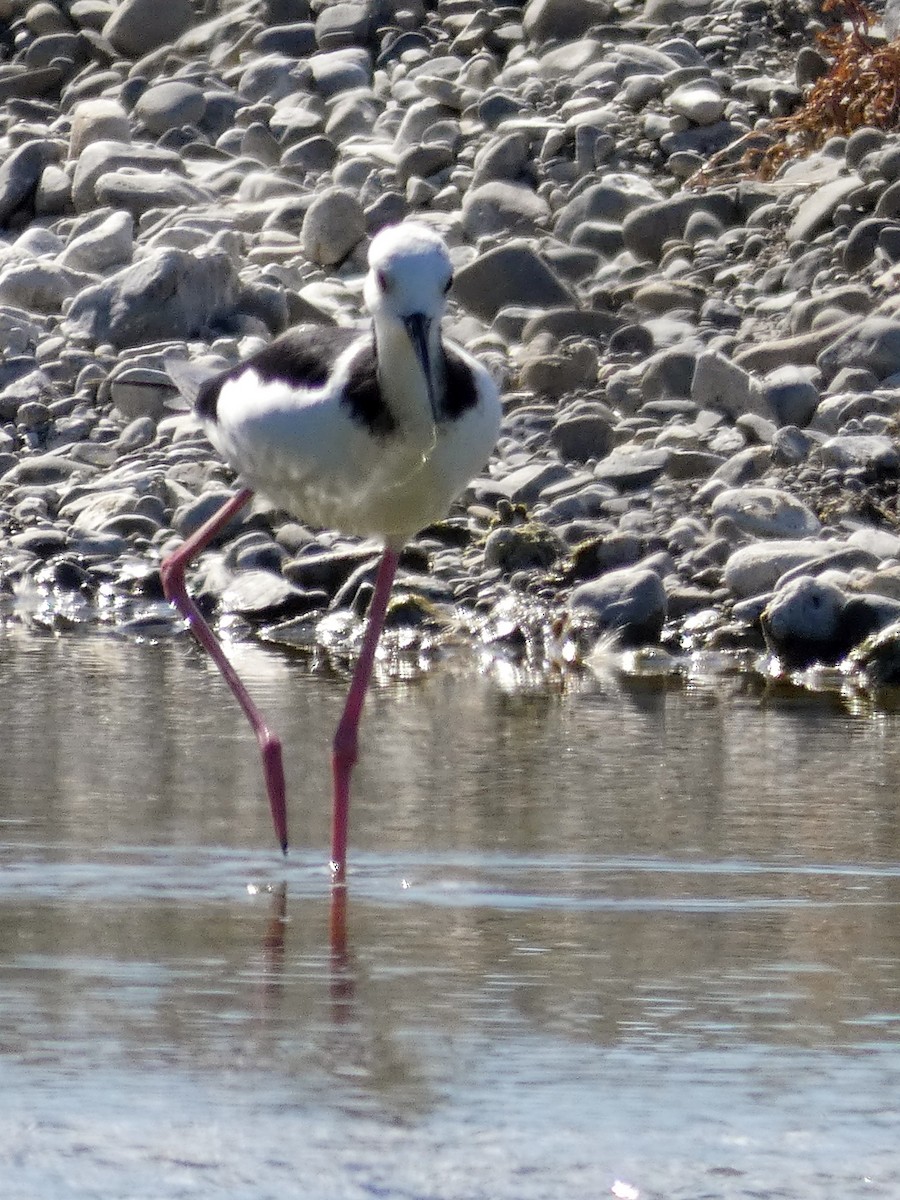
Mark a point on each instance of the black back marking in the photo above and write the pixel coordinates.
(301, 357)
(462, 393)
(362, 396)
(305, 357)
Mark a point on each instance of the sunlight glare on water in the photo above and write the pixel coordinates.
(611, 940)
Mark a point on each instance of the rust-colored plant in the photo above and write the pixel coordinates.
(860, 88)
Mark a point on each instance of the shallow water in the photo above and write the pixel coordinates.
(605, 939)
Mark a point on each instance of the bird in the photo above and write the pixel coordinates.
(369, 431)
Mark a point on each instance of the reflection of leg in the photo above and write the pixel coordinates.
(346, 738)
(342, 978)
(172, 572)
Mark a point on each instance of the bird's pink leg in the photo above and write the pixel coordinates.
(346, 739)
(172, 572)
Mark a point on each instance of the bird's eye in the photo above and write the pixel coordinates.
(448, 285)
(383, 281)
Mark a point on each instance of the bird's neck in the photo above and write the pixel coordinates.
(403, 383)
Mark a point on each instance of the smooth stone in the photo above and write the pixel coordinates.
(344, 24)
(525, 485)
(21, 382)
(18, 82)
(102, 157)
(41, 542)
(862, 242)
(265, 596)
(699, 101)
(873, 342)
(719, 383)
(170, 105)
(334, 224)
(337, 71)
(170, 293)
(316, 153)
(582, 436)
(505, 156)
(39, 470)
(562, 323)
(137, 391)
(417, 119)
(755, 569)
(790, 394)
(108, 244)
(836, 565)
(646, 229)
(138, 433)
(188, 517)
(557, 373)
(744, 466)
(269, 77)
(131, 525)
(37, 286)
(766, 512)
(90, 513)
(692, 464)
(505, 275)
(662, 295)
(565, 20)
(91, 14)
(100, 119)
(20, 173)
(501, 207)
(816, 211)
(665, 13)
(630, 602)
(39, 242)
(139, 26)
(138, 192)
(870, 451)
(43, 18)
(668, 373)
(55, 48)
(811, 620)
(631, 469)
(294, 40)
(423, 161)
(879, 542)
(54, 192)
(327, 570)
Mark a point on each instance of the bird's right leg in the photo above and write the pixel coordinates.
(345, 739)
(172, 572)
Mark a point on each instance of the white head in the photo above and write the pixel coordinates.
(410, 274)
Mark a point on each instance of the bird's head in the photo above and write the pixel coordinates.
(410, 274)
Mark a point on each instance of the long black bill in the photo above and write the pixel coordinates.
(418, 327)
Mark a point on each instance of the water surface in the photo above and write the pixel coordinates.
(602, 938)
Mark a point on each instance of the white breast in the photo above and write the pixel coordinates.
(301, 449)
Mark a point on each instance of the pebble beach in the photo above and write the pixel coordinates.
(698, 461)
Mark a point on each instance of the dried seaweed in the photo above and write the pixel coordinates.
(860, 88)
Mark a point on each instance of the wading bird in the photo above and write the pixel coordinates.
(371, 432)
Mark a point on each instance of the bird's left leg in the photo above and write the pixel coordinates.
(172, 572)
(346, 738)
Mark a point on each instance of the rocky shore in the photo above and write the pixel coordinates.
(701, 385)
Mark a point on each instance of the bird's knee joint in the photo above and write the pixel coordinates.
(171, 574)
(344, 748)
(270, 745)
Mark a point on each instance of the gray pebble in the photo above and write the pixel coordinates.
(334, 223)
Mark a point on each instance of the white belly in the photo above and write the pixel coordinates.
(320, 466)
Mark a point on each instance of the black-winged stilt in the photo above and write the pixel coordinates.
(372, 433)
